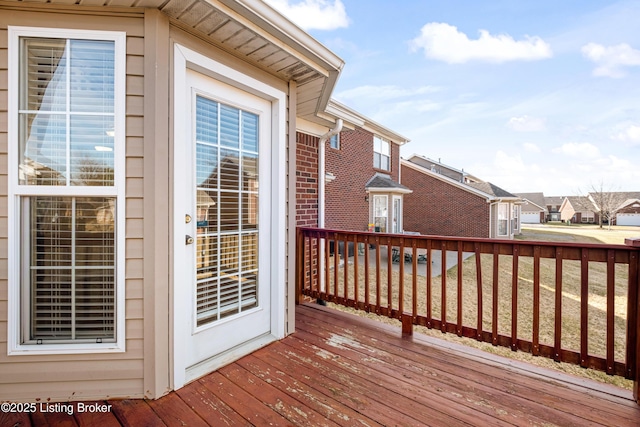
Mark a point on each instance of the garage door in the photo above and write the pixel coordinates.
(628, 219)
(530, 217)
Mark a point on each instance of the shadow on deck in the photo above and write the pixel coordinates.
(339, 369)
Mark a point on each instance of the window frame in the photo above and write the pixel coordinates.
(506, 213)
(18, 309)
(334, 142)
(384, 197)
(381, 154)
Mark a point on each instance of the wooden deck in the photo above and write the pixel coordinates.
(339, 369)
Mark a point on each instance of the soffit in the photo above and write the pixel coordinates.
(251, 31)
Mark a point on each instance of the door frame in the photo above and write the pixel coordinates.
(185, 58)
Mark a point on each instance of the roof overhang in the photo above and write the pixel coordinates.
(489, 198)
(352, 119)
(250, 30)
(388, 190)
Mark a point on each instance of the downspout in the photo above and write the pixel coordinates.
(321, 190)
(321, 169)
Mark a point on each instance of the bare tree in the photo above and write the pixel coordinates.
(607, 202)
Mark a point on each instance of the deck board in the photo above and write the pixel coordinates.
(343, 370)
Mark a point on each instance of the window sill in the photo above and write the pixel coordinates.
(46, 349)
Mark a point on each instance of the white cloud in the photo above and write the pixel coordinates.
(531, 147)
(313, 14)
(611, 61)
(630, 134)
(526, 124)
(444, 42)
(383, 92)
(577, 149)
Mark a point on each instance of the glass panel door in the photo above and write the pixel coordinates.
(227, 210)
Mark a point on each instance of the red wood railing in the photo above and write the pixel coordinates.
(575, 303)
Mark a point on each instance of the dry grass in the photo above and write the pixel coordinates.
(570, 306)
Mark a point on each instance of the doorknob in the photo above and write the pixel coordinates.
(188, 240)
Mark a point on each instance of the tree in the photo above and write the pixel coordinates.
(607, 202)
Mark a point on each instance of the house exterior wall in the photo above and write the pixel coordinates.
(438, 208)
(306, 180)
(346, 205)
(83, 376)
(143, 369)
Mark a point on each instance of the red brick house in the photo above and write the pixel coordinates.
(442, 205)
(361, 167)
(629, 212)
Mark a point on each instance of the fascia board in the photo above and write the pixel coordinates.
(273, 22)
(350, 115)
(388, 190)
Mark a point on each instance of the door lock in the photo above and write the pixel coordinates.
(188, 240)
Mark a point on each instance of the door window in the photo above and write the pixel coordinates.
(227, 210)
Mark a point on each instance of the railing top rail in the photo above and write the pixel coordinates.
(473, 239)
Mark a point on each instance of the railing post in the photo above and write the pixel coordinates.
(407, 324)
(299, 264)
(635, 270)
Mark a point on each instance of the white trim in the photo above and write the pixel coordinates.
(373, 210)
(394, 190)
(15, 191)
(185, 58)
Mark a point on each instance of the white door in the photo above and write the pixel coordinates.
(222, 227)
(628, 219)
(531, 217)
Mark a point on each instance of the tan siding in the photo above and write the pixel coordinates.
(135, 147)
(82, 376)
(78, 390)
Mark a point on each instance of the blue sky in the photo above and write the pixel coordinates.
(529, 95)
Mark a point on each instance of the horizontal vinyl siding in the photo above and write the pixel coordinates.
(78, 376)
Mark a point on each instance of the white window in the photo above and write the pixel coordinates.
(66, 201)
(514, 219)
(380, 213)
(503, 219)
(381, 153)
(334, 141)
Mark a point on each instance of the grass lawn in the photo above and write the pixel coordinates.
(577, 233)
(570, 299)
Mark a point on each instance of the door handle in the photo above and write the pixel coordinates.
(188, 240)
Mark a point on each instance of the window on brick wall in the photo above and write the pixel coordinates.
(334, 142)
(380, 213)
(381, 153)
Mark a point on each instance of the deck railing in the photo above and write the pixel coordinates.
(574, 303)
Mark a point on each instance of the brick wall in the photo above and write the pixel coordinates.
(352, 164)
(438, 208)
(306, 180)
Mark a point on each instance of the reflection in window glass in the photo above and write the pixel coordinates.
(66, 83)
(71, 267)
(227, 205)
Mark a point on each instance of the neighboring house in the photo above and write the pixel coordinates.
(363, 175)
(436, 166)
(578, 209)
(553, 204)
(629, 213)
(533, 209)
(440, 205)
(150, 153)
